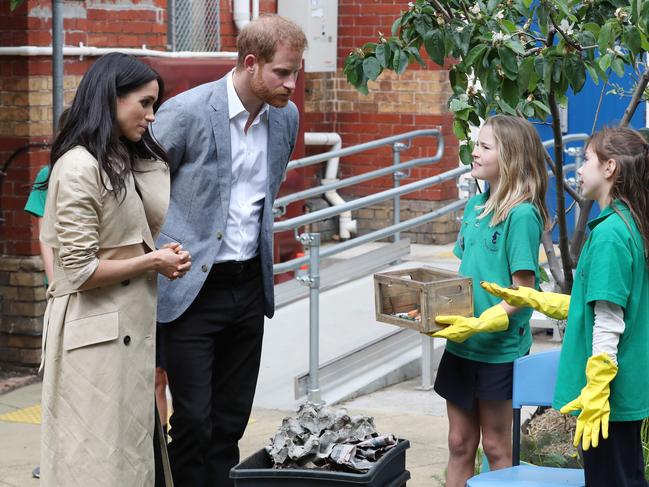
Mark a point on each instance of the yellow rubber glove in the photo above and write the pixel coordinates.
(554, 305)
(593, 401)
(460, 327)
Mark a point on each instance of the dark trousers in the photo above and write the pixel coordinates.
(617, 461)
(213, 353)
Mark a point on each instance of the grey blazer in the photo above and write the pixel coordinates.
(194, 128)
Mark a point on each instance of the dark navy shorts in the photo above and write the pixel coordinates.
(463, 381)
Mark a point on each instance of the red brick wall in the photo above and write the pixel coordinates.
(26, 88)
(396, 104)
(229, 30)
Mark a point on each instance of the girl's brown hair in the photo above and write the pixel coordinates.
(630, 151)
(521, 162)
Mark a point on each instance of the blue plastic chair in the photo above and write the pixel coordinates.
(534, 380)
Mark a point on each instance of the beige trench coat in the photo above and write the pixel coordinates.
(99, 344)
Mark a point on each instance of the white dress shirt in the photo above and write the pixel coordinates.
(249, 176)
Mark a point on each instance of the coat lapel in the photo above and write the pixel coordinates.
(220, 121)
(275, 152)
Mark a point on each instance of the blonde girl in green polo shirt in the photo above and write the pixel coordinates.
(603, 371)
(498, 241)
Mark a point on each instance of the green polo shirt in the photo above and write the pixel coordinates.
(494, 253)
(36, 200)
(611, 268)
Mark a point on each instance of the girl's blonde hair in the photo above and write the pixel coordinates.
(521, 163)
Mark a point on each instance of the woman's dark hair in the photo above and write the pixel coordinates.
(630, 151)
(90, 120)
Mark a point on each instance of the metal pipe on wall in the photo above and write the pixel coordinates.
(57, 61)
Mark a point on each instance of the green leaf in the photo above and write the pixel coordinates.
(423, 25)
(605, 61)
(457, 104)
(631, 39)
(434, 44)
(459, 81)
(395, 26)
(593, 28)
(604, 39)
(414, 52)
(509, 26)
(350, 69)
(508, 61)
(516, 46)
(525, 71)
(383, 54)
(617, 65)
(505, 107)
(459, 128)
(465, 153)
(528, 110)
(576, 73)
(369, 47)
(474, 55)
(15, 4)
(510, 92)
(371, 67)
(527, 3)
(400, 61)
(593, 73)
(541, 106)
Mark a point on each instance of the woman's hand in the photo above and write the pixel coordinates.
(172, 261)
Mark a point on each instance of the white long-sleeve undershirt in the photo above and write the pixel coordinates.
(609, 326)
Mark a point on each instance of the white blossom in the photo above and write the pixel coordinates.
(499, 37)
(475, 9)
(566, 27)
(500, 15)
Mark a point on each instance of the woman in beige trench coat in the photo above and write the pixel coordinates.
(107, 197)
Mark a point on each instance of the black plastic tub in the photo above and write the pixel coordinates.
(257, 471)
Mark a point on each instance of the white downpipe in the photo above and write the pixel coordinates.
(346, 226)
(241, 13)
(255, 9)
(88, 51)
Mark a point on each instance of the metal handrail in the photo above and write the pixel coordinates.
(366, 176)
(354, 149)
(307, 218)
(373, 236)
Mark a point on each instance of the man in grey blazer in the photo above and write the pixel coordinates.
(228, 143)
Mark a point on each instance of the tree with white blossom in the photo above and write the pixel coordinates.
(518, 57)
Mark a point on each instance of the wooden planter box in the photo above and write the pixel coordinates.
(411, 298)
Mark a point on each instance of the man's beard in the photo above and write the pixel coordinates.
(277, 99)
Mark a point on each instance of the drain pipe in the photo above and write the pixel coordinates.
(346, 226)
(241, 13)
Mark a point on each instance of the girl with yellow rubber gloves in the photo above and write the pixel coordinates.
(605, 355)
(498, 241)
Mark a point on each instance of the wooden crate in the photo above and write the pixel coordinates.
(423, 291)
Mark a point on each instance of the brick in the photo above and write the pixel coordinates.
(11, 355)
(24, 341)
(21, 324)
(24, 308)
(31, 357)
(8, 263)
(25, 279)
(31, 264)
(8, 293)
